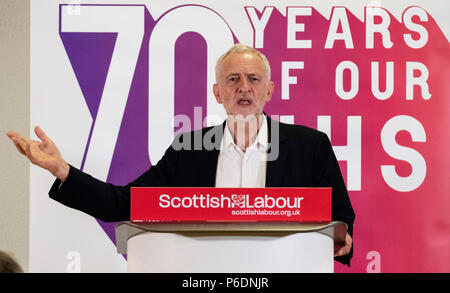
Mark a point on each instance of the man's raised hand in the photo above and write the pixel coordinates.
(42, 153)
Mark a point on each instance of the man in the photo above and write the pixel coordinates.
(299, 156)
(8, 264)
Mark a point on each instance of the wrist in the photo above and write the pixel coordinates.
(63, 171)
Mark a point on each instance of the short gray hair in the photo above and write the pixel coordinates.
(241, 48)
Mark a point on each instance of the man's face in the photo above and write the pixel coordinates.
(242, 85)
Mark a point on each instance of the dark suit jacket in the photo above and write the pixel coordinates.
(305, 159)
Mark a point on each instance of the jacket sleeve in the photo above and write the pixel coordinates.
(328, 174)
(105, 201)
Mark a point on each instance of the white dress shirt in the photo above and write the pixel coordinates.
(238, 169)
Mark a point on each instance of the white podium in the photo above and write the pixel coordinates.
(245, 247)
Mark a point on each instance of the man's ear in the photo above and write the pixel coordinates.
(216, 93)
(270, 88)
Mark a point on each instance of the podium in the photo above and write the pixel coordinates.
(230, 247)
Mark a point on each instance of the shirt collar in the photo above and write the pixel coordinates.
(261, 140)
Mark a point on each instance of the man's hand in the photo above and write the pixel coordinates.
(44, 154)
(344, 248)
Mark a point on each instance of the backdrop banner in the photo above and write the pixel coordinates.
(113, 82)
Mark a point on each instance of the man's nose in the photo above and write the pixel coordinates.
(244, 85)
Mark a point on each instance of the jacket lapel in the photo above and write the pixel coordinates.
(208, 173)
(209, 157)
(276, 154)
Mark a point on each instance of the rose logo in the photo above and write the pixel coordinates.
(238, 200)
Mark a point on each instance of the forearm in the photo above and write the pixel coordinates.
(101, 200)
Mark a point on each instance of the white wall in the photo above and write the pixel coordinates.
(14, 115)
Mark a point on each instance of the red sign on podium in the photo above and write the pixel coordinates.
(169, 204)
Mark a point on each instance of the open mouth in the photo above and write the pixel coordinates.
(244, 101)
